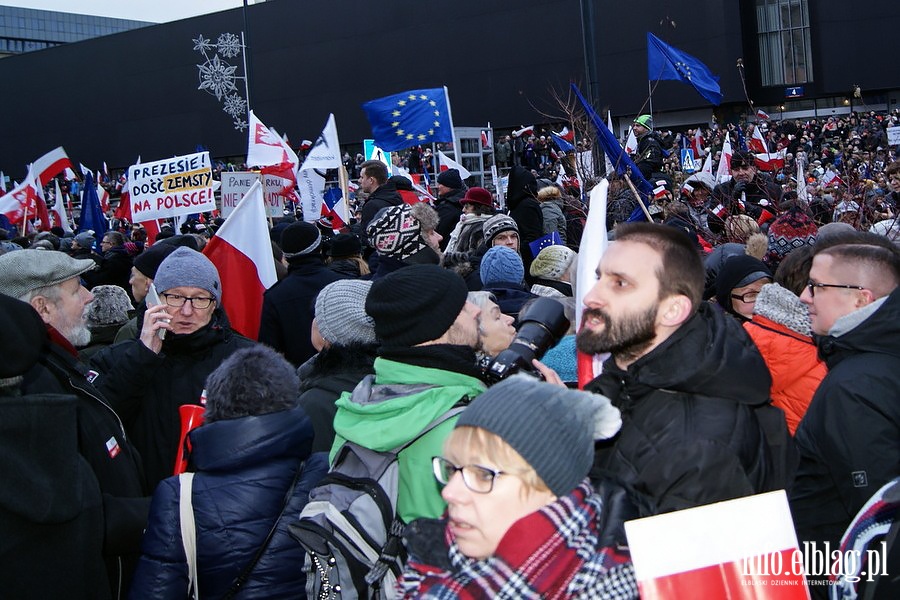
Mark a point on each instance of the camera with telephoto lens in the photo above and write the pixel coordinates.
(541, 327)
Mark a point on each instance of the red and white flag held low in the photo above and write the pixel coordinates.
(242, 253)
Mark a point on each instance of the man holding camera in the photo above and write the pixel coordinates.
(692, 389)
(426, 365)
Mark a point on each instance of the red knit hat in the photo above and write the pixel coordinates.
(478, 195)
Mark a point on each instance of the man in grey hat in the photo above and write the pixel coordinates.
(183, 339)
(50, 282)
(83, 247)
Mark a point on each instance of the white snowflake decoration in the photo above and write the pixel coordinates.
(219, 77)
(229, 45)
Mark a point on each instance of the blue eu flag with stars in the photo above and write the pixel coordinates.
(410, 118)
(666, 62)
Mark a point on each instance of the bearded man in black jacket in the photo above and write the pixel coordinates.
(692, 388)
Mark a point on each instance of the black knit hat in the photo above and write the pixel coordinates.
(415, 304)
(450, 178)
(300, 239)
(148, 261)
(345, 244)
(553, 428)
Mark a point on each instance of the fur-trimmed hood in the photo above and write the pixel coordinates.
(783, 307)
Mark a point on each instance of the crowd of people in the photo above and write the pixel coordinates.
(748, 323)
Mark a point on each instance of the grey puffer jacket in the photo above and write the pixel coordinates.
(554, 217)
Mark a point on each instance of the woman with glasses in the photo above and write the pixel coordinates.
(738, 285)
(522, 518)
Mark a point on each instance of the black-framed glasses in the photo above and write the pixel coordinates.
(477, 478)
(747, 297)
(811, 285)
(177, 301)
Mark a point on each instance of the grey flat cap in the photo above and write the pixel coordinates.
(28, 270)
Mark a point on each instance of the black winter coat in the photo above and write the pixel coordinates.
(690, 433)
(849, 439)
(323, 379)
(111, 455)
(244, 469)
(386, 195)
(525, 211)
(449, 210)
(115, 269)
(289, 307)
(51, 510)
(146, 388)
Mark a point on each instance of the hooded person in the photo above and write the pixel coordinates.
(252, 473)
(183, 339)
(344, 336)
(525, 210)
(522, 517)
(451, 191)
(738, 285)
(51, 508)
(502, 274)
(287, 311)
(402, 236)
(426, 365)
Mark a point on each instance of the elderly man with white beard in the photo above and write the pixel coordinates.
(50, 282)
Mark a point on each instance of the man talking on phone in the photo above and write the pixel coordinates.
(184, 337)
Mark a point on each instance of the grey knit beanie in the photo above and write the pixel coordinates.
(552, 427)
(110, 306)
(341, 313)
(188, 268)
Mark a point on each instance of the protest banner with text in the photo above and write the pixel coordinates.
(172, 187)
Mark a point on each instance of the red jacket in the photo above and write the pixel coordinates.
(794, 363)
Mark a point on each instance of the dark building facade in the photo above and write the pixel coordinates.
(502, 62)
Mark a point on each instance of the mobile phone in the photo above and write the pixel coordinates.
(152, 300)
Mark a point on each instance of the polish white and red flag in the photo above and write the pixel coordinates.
(523, 131)
(723, 173)
(21, 200)
(264, 146)
(49, 165)
(697, 143)
(831, 179)
(594, 242)
(757, 142)
(58, 213)
(566, 134)
(242, 253)
(445, 163)
(771, 161)
(762, 115)
(743, 549)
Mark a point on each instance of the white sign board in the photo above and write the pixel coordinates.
(172, 187)
(235, 184)
(272, 184)
(893, 135)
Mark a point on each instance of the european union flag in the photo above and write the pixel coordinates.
(742, 141)
(564, 145)
(92, 217)
(612, 148)
(666, 62)
(551, 239)
(409, 119)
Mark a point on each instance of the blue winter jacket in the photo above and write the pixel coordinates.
(244, 468)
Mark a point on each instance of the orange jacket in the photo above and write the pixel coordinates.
(794, 363)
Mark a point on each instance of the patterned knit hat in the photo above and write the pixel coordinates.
(552, 262)
(791, 230)
(501, 264)
(497, 225)
(396, 232)
(341, 313)
(110, 306)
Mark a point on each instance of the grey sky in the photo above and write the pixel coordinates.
(154, 11)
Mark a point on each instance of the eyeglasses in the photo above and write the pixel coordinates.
(177, 301)
(747, 297)
(812, 287)
(477, 478)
